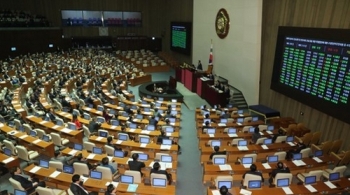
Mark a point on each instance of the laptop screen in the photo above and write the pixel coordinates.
(334, 176)
(72, 126)
(240, 120)
(167, 142)
(215, 143)
(151, 127)
(21, 128)
(272, 159)
(219, 161)
(19, 192)
(173, 106)
(103, 134)
(211, 131)
(123, 137)
(44, 163)
(32, 133)
(112, 111)
(68, 169)
(310, 180)
(127, 179)
(159, 182)
(172, 120)
(143, 156)
(166, 158)
(7, 152)
(290, 139)
(283, 182)
(318, 153)
(119, 153)
(267, 141)
(115, 122)
(139, 116)
(46, 138)
(240, 112)
(169, 129)
(97, 150)
(255, 118)
(160, 99)
(59, 123)
(158, 104)
(91, 105)
(223, 120)
(100, 108)
(100, 120)
(270, 128)
(254, 184)
(297, 156)
(174, 112)
(132, 126)
(231, 131)
(146, 109)
(228, 184)
(96, 174)
(144, 140)
(125, 114)
(251, 129)
(242, 143)
(205, 113)
(78, 147)
(247, 160)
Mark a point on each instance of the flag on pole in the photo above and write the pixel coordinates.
(211, 54)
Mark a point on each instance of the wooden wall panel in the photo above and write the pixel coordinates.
(302, 13)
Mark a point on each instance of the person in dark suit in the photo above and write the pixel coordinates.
(199, 66)
(153, 121)
(51, 115)
(79, 158)
(161, 137)
(216, 152)
(225, 115)
(280, 133)
(63, 159)
(135, 165)
(281, 168)
(94, 126)
(224, 190)
(29, 184)
(77, 187)
(256, 135)
(296, 150)
(110, 143)
(253, 170)
(156, 169)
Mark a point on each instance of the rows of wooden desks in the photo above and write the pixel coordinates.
(320, 187)
(140, 80)
(9, 161)
(63, 180)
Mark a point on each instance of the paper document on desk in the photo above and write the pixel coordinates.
(91, 156)
(164, 166)
(132, 187)
(8, 160)
(72, 152)
(310, 188)
(299, 163)
(239, 123)
(222, 124)
(242, 147)
(330, 185)
(87, 108)
(145, 132)
(36, 141)
(99, 138)
(143, 145)
(211, 135)
(34, 169)
(232, 135)
(132, 130)
(119, 142)
(245, 192)
(291, 143)
(84, 178)
(113, 127)
(54, 174)
(215, 192)
(269, 132)
(42, 122)
(23, 136)
(265, 147)
(169, 134)
(247, 166)
(165, 147)
(287, 190)
(65, 130)
(55, 127)
(317, 159)
(266, 165)
(147, 113)
(261, 133)
(225, 167)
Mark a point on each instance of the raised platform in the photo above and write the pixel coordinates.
(146, 90)
(266, 112)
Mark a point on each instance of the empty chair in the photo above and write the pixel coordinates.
(76, 112)
(109, 150)
(49, 191)
(283, 176)
(81, 168)
(235, 141)
(136, 175)
(250, 177)
(325, 147)
(17, 123)
(58, 141)
(315, 137)
(88, 146)
(9, 145)
(27, 128)
(305, 152)
(40, 133)
(246, 129)
(106, 172)
(336, 146)
(343, 158)
(306, 139)
(260, 140)
(317, 173)
(281, 138)
(26, 155)
(281, 155)
(56, 164)
(87, 133)
(340, 169)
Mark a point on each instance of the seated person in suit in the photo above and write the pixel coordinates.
(224, 191)
(206, 126)
(51, 114)
(217, 152)
(105, 163)
(199, 66)
(156, 169)
(280, 133)
(111, 190)
(225, 115)
(93, 125)
(253, 170)
(135, 165)
(300, 146)
(79, 158)
(281, 168)
(153, 121)
(204, 108)
(110, 143)
(256, 135)
(161, 137)
(77, 187)
(29, 184)
(65, 160)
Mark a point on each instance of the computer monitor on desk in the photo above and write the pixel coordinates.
(44, 164)
(159, 182)
(151, 127)
(267, 141)
(19, 192)
(334, 176)
(272, 159)
(96, 150)
(283, 182)
(78, 147)
(297, 156)
(255, 118)
(167, 142)
(290, 139)
(211, 131)
(144, 140)
(251, 129)
(119, 153)
(219, 160)
(103, 134)
(143, 157)
(96, 175)
(318, 153)
(242, 142)
(7, 152)
(309, 180)
(166, 158)
(46, 138)
(127, 179)
(169, 129)
(215, 143)
(240, 120)
(228, 184)
(247, 160)
(68, 169)
(254, 184)
(231, 131)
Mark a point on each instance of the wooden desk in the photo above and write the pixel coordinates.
(13, 163)
(140, 80)
(63, 181)
(32, 143)
(73, 136)
(234, 124)
(150, 69)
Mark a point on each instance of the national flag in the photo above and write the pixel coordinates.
(211, 55)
